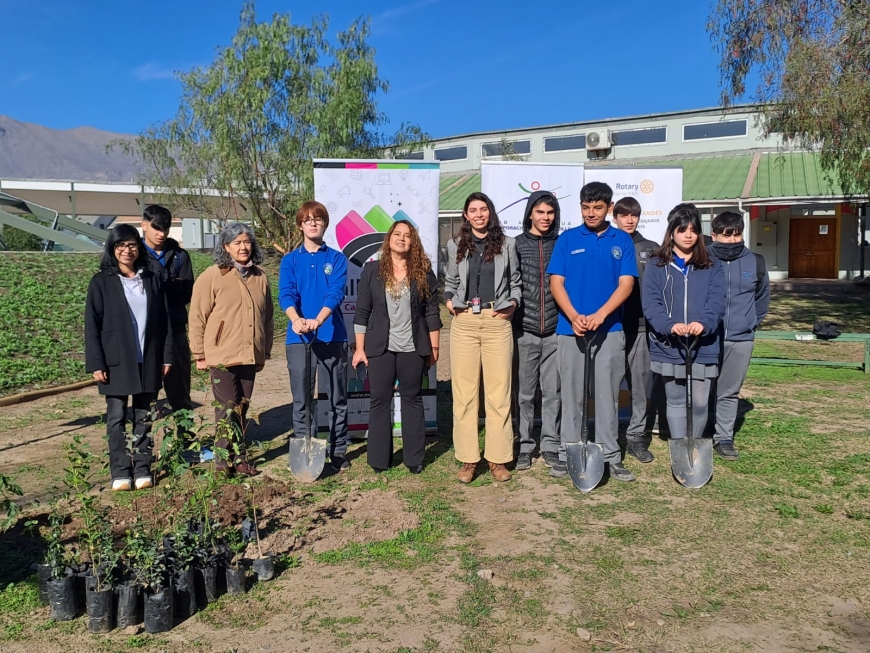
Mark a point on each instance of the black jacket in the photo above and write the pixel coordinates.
(371, 312)
(110, 343)
(177, 277)
(538, 313)
(632, 311)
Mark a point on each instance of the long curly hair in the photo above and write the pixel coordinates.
(419, 264)
(494, 235)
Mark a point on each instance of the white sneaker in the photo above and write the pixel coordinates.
(143, 483)
(121, 485)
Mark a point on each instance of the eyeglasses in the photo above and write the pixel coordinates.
(131, 247)
(313, 221)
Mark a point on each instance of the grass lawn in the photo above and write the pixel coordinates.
(42, 300)
(773, 555)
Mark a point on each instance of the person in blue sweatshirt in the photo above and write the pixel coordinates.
(683, 296)
(747, 298)
(311, 286)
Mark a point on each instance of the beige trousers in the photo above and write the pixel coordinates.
(481, 341)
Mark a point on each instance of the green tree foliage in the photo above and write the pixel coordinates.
(812, 59)
(249, 124)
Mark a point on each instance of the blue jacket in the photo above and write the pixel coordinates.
(669, 297)
(310, 281)
(747, 297)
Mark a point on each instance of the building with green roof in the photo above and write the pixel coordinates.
(801, 223)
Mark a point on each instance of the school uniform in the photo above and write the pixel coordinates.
(311, 281)
(591, 264)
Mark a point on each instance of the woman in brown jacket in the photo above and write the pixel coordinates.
(231, 332)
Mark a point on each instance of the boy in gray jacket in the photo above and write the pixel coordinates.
(747, 299)
(626, 215)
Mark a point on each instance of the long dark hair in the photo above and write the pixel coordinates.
(119, 234)
(682, 217)
(419, 264)
(494, 234)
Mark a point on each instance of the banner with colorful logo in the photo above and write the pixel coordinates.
(364, 198)
(657, 189)
(509, 184)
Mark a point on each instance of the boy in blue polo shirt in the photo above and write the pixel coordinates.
(310, 290)
(592, 273)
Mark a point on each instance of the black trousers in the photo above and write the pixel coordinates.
(383, 372)
(177, 382)
(232, 388)
(133, 461)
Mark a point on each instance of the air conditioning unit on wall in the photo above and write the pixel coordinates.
(598, 140)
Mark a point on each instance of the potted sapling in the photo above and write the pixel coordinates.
(235, 568)
(60, 585)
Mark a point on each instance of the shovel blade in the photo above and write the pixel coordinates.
(585, 464)
(307, 459)
(692, 461)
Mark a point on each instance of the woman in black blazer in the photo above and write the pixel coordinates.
(397, 329)
(128, 348)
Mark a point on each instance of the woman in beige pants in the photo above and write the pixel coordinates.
(482, 291)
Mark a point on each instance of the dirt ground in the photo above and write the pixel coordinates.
(401, 563)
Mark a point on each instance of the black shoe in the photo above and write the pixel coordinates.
(524, 461)
(378, 470)
(726, 450)
(640, 450)
(559, 469)
(550, 459)
(416, 469)
(339, 464)
(620, 473)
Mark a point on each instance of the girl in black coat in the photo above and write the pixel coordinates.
(128, 348)
(397, 330)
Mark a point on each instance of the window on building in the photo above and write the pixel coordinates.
(563, 143)
(412, 155)
(729, 128)
(507, 147)
(641, 136)
(452, 153)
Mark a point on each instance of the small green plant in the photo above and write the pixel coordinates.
(9, 489)
(144, 556)
(235, 541)
(56, 555)
(786, 510)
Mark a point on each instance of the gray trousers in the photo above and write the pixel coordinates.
(330, 359)
(608, 356)
(734, 363)
(637, 377)
(539, 365)
(675, 392)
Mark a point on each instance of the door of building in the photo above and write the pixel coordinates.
(812, 248)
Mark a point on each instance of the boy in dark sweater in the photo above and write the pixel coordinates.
(626, 215)
(536, 332)
(171, 263)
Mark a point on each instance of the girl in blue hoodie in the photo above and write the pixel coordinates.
(683, 296)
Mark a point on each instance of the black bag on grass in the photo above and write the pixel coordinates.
(826, 330)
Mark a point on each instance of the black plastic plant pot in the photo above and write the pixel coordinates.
(43, 575)
(129, 604)
(206, 584)
(265, 567)
(235, 579)
(82, 575)
(101, 610)
(184, 588)
(62, 598)
(158, 611)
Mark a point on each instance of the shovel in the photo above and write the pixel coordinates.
(307, 455)
(691, 457)
(585, 459)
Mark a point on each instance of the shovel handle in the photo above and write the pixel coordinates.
(689, 343)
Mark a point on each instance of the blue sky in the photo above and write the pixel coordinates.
(454, 66)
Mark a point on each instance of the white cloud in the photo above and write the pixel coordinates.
(150, 72)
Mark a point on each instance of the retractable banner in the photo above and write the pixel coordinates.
(657, 189)
(364, 198)
(509, 185)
